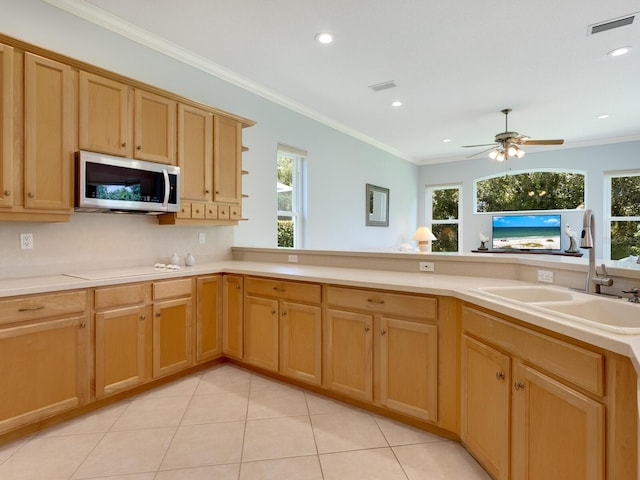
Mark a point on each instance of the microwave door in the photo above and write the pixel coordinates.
(167, 188)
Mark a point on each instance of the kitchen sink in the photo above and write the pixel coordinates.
(529, 294)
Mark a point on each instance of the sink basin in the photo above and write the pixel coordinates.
(529, 294)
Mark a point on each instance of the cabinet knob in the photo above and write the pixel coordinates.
(158, 314)
(518, 386)
(139, 147)
(217, 192)
(284, 314)
(237, 287)
(207, 191)
(142, 317)
(30, 195)
(383, 332)
(124, 144)
(366, 329)
(7, 193)
(83, 324)
(273, 312)
(500, 375)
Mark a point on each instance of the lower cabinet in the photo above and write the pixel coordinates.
(208, 317)
(532, 406)
(232, 316)
(44, 353)
(387, 340)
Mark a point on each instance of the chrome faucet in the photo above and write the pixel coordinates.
(594, 281)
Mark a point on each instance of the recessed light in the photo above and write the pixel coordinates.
(619, 51)
(324, 38)
(397, 103)
(446, 140)
(603, 116)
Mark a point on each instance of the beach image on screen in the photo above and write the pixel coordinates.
(526, 232)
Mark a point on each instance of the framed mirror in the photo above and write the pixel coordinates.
(377, 206)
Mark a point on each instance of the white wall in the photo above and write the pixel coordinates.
(593, 161)
(339, 166)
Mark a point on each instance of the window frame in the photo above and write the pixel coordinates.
(608, 219)
(298, 196)
(429, 220)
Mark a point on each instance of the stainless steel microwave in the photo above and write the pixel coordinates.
(105, 183)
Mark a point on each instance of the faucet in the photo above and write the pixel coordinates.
(635, 294)
(594, 281)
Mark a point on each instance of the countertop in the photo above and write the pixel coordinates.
(462, 287)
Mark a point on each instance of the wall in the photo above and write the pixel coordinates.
(593, 161)
(339, 166)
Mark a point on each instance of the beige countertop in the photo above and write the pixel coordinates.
(461, 287)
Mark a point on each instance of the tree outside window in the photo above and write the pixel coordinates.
(624, 215)
(290, 196)
(443, 209)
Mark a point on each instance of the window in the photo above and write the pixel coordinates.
(443, 213)
(622, 214)
(290, 189)
(530, 190)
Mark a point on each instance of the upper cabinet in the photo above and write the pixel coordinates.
(6, 124)
(228, 160)
(155, 128)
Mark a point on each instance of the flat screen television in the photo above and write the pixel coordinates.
(526, 232)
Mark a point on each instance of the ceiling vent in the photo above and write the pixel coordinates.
(611, 24)
(383, 86)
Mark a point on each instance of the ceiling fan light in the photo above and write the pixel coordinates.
(520, 153)
(501, 156)
(512, 150)
(493, 154)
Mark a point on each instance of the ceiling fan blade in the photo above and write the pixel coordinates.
(480, 153)
(543, 142)
(481, 145)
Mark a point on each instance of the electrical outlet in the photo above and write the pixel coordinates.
(26, 241)
(202, 238)
(545, 276)
(293, 258)
(427, 267)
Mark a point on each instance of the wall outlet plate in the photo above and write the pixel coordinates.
(26, 241)
(202, 238)
(427, 267)
(293, 258)
(545, 276)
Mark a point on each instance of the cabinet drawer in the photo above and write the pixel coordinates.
(185, 210)
(211, 212)
(123, 295)
(197, 210)
(302, 292)
(235, 212)
(172, 288)
(383, 302)
(223, 212)
(42, 306)
(572, 363)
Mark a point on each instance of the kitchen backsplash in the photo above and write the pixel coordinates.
(98, 241)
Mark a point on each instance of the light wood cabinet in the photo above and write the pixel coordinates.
(385, 339)
(532, 405)
(283, 326)
(155, 127)
(232, 316)
(44, 353)
(6, 126)
(227, 174)
(195, 153)
(122, 317)
(172, 326)
(208, 317)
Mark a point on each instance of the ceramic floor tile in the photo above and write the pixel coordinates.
(278, 438)
(57, 457)
(221, 407)
(398, 433)
(183, 386)
(276, 403)
(203, 445)
(10, 449)
(375, 464)
(224, 379)
(217, 472)
(132, 451)
(258, 382)
(133, 476)
(298, 468)
(439, 461)
(100, 420)
(152, 413)
(352, 430)
(319, 404)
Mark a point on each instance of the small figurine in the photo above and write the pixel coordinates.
(573, 244)
(483, 240)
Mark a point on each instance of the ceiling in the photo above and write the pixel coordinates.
(456, 64)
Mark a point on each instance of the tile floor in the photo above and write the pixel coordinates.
(228, 423)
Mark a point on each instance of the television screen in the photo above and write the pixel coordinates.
(526, 232)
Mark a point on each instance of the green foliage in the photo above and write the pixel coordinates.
(285, 233)
(285, 177)
(447, 235)
(625, 202)
(444, 203)
(531, 191)
(129, 193)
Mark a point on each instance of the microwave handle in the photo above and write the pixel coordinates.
(167, 188)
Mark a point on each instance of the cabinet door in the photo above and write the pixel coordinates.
(232, 316)
(485, 412)
(172, 336)
(106, 115)
(49, 134)
(44, 370)
(120, 349)
(227, 162)
(261, 332)
(409, 367)
(558, 433)
(6, 126)
(349, 353)
(155, 128)
(209, 318)
(195, 153)
(300, 342)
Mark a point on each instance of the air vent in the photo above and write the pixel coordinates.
(611, 24)
(382, 86)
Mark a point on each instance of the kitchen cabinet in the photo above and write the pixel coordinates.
(385, 339)
(172, 326)
(532, 406)
(208, 317)
(155, 127)
(6, 125)
(227, 174)
(232, 316)
(122, 319)
(44, 351)
(195, 154)
(283, 325)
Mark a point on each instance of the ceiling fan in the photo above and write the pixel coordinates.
(506, 144)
